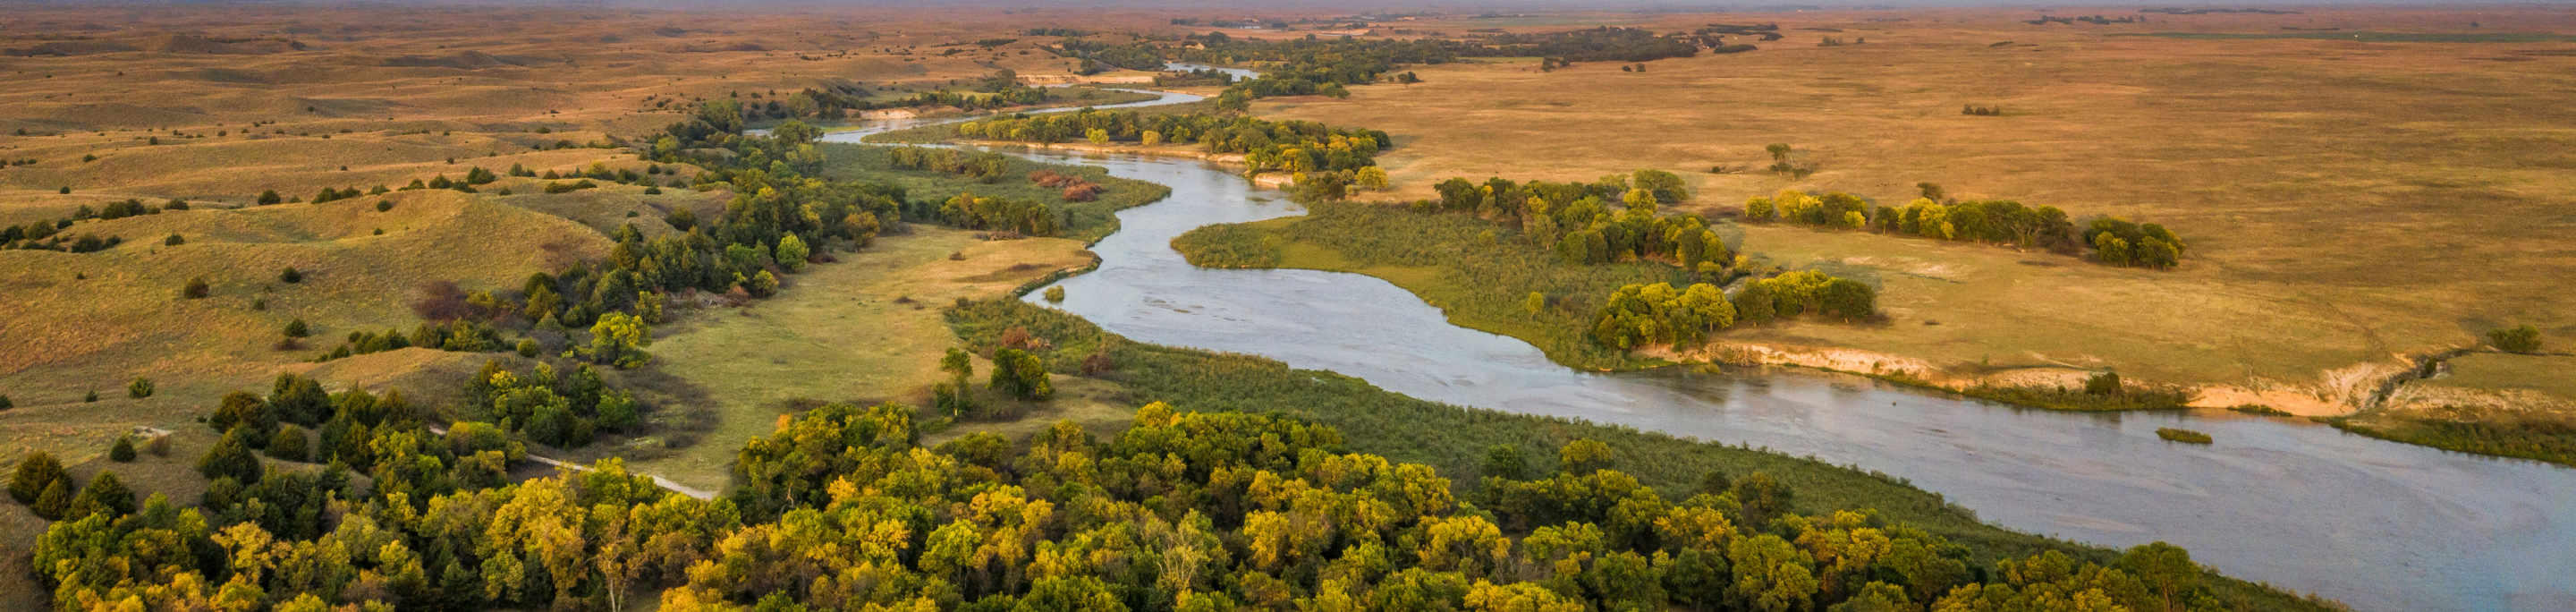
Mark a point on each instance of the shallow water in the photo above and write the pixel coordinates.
(2379, 525)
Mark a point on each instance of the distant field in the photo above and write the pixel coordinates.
(2344, 202)
(2368, 37)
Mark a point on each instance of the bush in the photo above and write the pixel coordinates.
(159, 446)
(92, 397)
(2185, 436)
(123, 452)
(2106, 383)
(2524, 339)
(140, 388)
(173, 240)
(1055, 294)
(290, 276)
(196, 289)
(297, 329)
(384, 205)
(290, 445)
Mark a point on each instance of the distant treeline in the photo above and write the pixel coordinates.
(1290, 146)
(2115, 241)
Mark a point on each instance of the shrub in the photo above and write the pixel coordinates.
(92, 397)
(384, 205)
(173, 240)
(196, 289)
(297, 329)
(1055, 294)
(270, 197)
(290, 445)
(290, 276)
(2524, 339)
(123, 452)
(159, 446)
(2182, 435)
(140, 388)
(2105, 383)
(34, 473)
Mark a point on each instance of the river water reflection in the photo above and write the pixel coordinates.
(2379, 525)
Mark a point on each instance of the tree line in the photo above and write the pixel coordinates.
(845, 508)
(2114, 241)
(1290, 146)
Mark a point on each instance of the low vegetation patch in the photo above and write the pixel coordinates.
(2182, 435)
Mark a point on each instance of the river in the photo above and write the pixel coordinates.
(2378, 525)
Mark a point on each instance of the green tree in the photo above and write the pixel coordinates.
(1771, 575)
(54, 501)
(1535, 303)
(242, 408)
(792, 253)
(2166, 569)
(1372, 178)
(2522, 339)
(1763, 497)
(1055, 294)
(1583, 457)
(34, 472)
(1665, 186)
(297, 329)
(231, 458)
(123, 452)
(1020, 374)
(1504, 461)
(290, 444)
(104, 495)
(619, 340)
(2105, 383)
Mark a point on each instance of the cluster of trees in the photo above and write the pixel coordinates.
(1650, 314)
(1310, 65)
(2518, 339)
(50, 493)
(1602, 44)
(1640, 315)
(460, 336)
(1026, 216)
(563, 411)
(983, 166)
(839, 101)
(1576, 220)
(48, 235)
(2115, 241)
(2118, 242)
(1290, 146)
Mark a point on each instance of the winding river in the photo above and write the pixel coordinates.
(2382, 526)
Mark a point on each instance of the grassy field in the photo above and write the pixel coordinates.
(1083, 221)
(866, 329)
(2344, 202)
(1479, 281)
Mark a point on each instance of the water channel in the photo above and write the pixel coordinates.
(2379, 525)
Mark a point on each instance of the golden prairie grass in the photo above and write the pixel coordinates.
(2344, 202)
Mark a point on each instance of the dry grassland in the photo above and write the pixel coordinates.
(360, 98)
(2345, 202)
